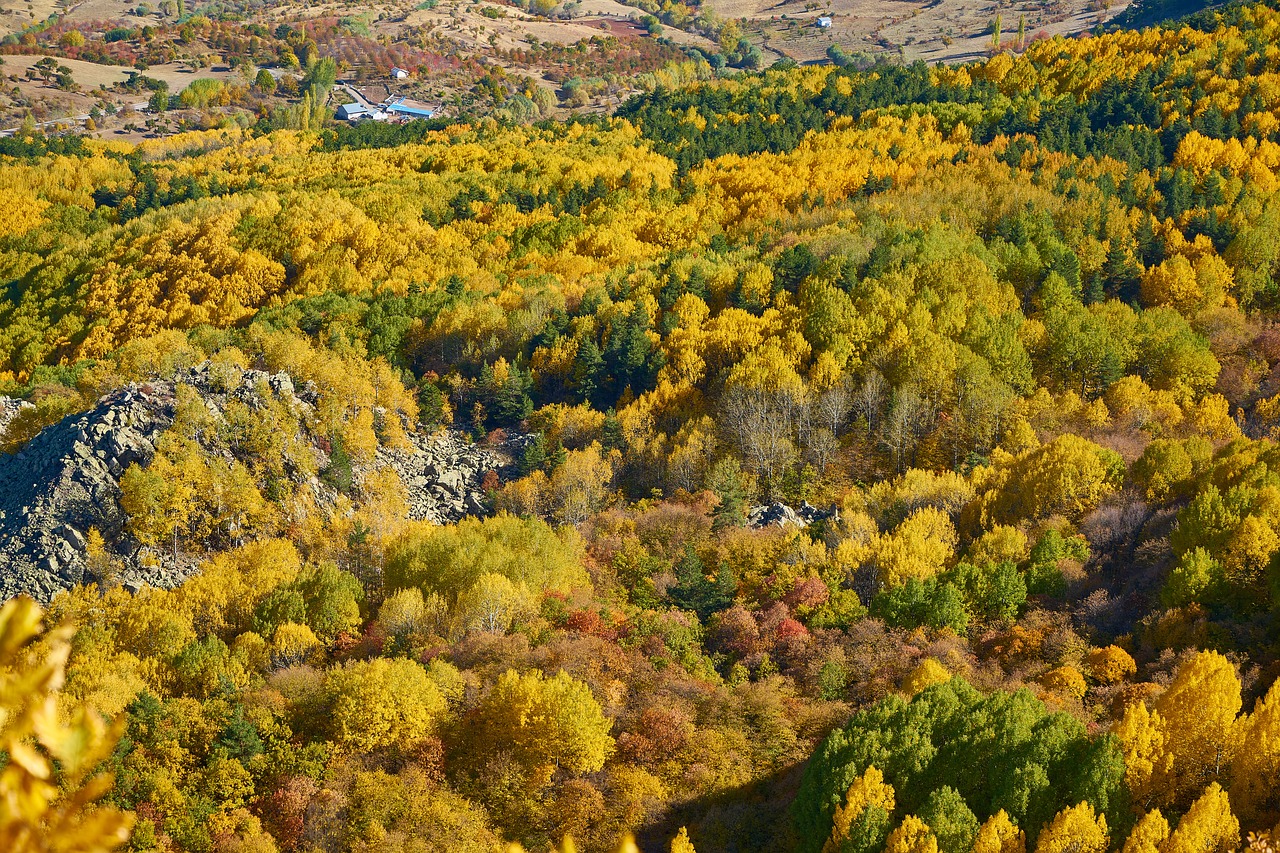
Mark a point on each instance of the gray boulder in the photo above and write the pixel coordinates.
(780, 515)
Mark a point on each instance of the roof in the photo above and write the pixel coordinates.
(413, 111)
(353, 110)
(399, 106)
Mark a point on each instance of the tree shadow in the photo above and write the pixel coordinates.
(752, 818)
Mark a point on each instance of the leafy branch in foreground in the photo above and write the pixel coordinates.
(48, 788)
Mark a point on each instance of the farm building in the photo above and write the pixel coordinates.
(824, 22)
(402, 107)
(399, 74)
(352, 111)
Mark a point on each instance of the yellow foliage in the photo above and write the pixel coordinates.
(912, 836)
(542, 723)
(926, 674)
(1147, 761)
(1110, 665)
(579, 486)
(867, 791)
(1207, 827)
(1188, 288)
(1199, 711)
(999, 835)
(38, 812)
(1074, 830)
(920, 547)
(1212, 418)
(382, 703)
(1000, 544)
(293, 643)
(1065, 681)
(1257, 764)
(1148, 834)
(1069, 475)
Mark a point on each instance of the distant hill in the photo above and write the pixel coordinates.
(1146, 13)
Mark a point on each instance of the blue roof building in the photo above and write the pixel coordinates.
(349, 112)
(399, 107)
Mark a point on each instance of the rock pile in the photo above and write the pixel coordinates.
(444, 474)
(67, 480)
(781, 515)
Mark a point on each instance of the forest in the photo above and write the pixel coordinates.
(1011, 325)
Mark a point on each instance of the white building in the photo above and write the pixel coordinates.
(352, 111)
(824, 22)
(399, 74)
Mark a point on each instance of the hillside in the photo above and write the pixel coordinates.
(428, 486)
(132, 71)
(70, 479)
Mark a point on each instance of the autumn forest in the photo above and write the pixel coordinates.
(1008, 331)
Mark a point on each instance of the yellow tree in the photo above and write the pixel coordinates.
(160, 502)
(912, 836)
(1148, 834)
(43, 809)
(579, 486)
(1173, 282)
(1147, 761)
(1111, 665)
(1256, 768)
(1199, 711)
(1000, 835)
(867, 791)
(920, 547)
(1069, 475)
(759, 409)
(1207, 827)
(1065, 681)
(492, 604)
(292, 644)
(542, 723)
(926, 674)
(383, 703)
(1074, 830)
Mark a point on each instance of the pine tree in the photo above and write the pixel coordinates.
(589, 372)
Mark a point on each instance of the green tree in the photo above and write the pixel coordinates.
(950, 819)
(319, 79)
(332, 599)
(932, 602)
(724, 479)
(1001, 751)
(159, 100)
(699, 593)
(265, 82)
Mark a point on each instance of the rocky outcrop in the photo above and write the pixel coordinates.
(66, 481)
(9, 409)
(444, 474)
(781, 515)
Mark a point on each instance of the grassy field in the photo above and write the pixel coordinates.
(16, 15)
(936, 30)
(95, 82)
